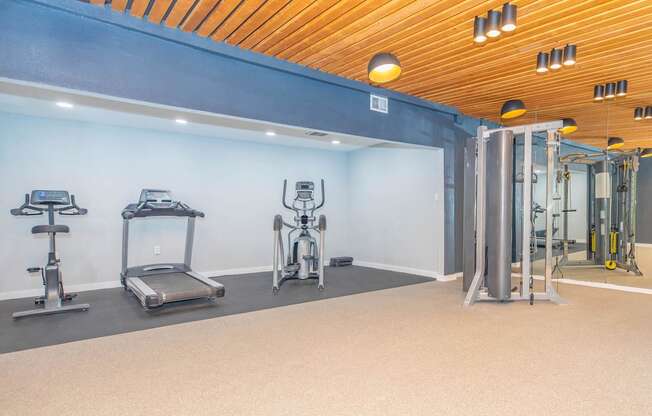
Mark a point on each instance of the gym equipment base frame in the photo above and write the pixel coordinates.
(54, 296)
(479, 289)
(158, 284)
(305, 259)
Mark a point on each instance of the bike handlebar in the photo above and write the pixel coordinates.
(26, 209)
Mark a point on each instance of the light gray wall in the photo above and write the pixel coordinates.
(397, 207)
(576, 220)
(237, 184)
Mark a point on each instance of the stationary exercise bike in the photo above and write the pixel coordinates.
(54, 296)
(305, 259)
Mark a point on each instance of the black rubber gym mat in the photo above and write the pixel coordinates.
(114, 311)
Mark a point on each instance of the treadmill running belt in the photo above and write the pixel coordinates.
(173, 287)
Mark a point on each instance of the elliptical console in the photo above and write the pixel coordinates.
(54, 296)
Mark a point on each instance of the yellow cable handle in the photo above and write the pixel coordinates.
(613, 240)
(593, 241)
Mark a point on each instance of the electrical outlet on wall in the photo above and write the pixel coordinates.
(157, 250)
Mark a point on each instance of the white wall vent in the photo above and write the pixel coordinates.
(378, 103)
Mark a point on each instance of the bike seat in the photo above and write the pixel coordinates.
(40, 229)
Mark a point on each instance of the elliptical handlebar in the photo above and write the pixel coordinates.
(295, 209)
(285, 187)
(323, 197)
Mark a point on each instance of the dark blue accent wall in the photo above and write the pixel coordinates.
(644, 209)
(70, 44)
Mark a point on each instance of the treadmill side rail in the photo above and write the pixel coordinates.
(147, 297)
(219, 288)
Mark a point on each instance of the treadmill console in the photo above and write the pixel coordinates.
(157, 198)
(304, 190)
(43, 197)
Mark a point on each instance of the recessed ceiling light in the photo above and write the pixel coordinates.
(181, 121)
(335, 142)
(270, 133)
(64, 104)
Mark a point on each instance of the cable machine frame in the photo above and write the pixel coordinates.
(525, 292)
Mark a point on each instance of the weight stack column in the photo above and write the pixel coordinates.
(499, 214)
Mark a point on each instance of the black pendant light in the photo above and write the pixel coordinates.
(615, 143)
(638, 113)
(383, 67)
(493, 23)
(648, 112)
(570, 52)
(542, 62)
(570, 126)
(479, 29)
(610, 90)
(598, 92)
(645, 153)
(621, 88)
(508, 18)
(555, 58)
(512, 109)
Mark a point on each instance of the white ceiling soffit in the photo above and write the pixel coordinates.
(40, 101)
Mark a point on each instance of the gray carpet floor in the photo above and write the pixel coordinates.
(114, 311)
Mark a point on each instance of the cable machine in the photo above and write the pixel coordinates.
(489, 191)
(611, 210)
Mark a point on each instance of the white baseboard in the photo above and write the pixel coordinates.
(599, 285)
(30, 293)
(401, 269)
(450, 277)
(241, 270)
(609, 286)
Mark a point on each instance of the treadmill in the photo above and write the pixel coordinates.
(157, 284)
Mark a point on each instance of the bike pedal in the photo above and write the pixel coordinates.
(34, 269)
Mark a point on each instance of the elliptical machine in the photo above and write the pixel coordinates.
(54, 296)
(305, 259)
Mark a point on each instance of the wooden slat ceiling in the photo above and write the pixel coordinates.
(433, 40)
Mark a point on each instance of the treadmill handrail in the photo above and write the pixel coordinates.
(145, 209)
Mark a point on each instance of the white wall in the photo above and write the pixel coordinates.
(578, 194)
(237, 184)
(397, 209)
